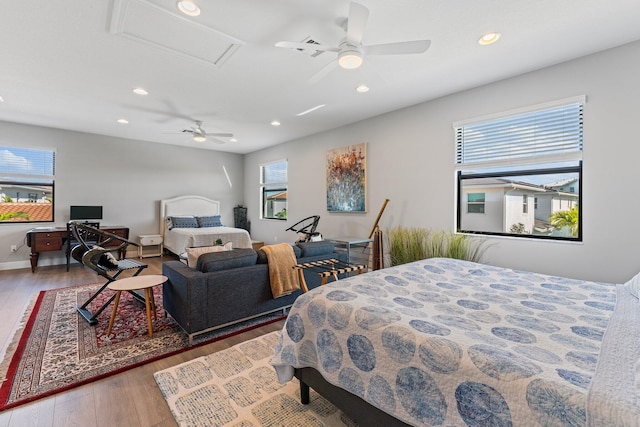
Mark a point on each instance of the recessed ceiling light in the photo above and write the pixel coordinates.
(317, 107)
(140, 91)
(362, 89)
(233, 140)
(123, 121)
(275, 123)
(1, 99)
(188, 7)
(489, 38)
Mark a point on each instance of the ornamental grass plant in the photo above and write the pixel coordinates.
(408, 244)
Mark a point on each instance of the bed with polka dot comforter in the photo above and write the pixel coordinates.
(449, 342)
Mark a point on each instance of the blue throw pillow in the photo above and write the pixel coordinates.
(182, 222)
(209, 221)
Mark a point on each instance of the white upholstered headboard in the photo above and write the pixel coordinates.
(187, 205)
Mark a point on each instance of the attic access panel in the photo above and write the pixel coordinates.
(151, 24)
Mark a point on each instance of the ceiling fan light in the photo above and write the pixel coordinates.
(350, 59)
(199, 138)
(188, 7)
(489, 38)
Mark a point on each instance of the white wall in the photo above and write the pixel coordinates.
(411, 162)
(128, 178)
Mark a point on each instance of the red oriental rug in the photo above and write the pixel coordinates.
(58, 350)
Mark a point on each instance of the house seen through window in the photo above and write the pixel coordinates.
(273, 190)
(26, 184)
(504, 163)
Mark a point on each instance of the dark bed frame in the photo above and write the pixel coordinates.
(353, 406)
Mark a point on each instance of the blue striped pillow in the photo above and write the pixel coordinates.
(209, 221)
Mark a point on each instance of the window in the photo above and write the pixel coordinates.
(273, 190)
(475, 203)
(26, 184)
(505, 160)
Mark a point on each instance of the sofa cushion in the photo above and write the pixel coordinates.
(236, 258)
(262, 256)
(194, 253)
(316, 248)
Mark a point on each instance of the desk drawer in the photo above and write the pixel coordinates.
(48, 243)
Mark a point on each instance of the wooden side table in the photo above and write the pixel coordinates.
(134, 283)
(148, 240)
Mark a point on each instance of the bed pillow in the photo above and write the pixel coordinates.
(194, 253)
(209, 221)
(216, 261)
(316, 248)
(182, 222)
(634, 285)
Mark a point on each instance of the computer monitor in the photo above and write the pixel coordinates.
(85, 213)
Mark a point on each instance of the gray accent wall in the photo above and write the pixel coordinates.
(410, 159)
(127, 177)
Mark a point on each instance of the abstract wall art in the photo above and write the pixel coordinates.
(347, 179)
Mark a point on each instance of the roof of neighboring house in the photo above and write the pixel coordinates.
(35, 211)
(278, 196)
(561, 183)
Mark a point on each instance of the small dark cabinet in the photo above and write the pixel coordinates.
(240, 218)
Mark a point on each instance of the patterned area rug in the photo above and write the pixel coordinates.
(238, 387)
(58, 350)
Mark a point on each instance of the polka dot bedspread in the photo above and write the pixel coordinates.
(449, 342)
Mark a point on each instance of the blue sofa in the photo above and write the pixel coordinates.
(232, 286)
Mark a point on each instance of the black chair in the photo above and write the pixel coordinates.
(96, 258)
(88, 236)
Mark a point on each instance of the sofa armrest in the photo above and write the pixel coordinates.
(176, 292)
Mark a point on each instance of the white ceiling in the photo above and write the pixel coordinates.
(72, 64)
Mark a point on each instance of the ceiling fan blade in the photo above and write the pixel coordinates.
(399, 48)
(307, 46)
(356, 23)
(323, 72)
(220, 135)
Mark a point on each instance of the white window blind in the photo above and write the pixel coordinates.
(274, 172)
(548, 131)
(27, 164)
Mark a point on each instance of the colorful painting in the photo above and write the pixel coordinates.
(347, 179)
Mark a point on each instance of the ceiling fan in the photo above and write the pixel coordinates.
(350, 49)
(200, 135)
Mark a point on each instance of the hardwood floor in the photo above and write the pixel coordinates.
(130, 398)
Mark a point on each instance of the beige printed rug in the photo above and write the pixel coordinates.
(238, 387)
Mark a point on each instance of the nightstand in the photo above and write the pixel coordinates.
(147, 240)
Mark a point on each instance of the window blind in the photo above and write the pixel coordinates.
(549, 131)
(273, 173)
(27, 163)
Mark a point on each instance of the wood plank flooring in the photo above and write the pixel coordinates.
(131, 398)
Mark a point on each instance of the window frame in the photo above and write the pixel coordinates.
(520, 172)
(527, 141)
(273, 187)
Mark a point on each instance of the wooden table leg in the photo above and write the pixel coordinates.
(303, 282)
(113, 312)
(147, 299)
(153, 305)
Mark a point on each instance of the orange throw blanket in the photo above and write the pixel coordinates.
(282, 275)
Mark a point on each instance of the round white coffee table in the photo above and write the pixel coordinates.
(135, 283)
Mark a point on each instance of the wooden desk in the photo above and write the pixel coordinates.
(54, 239)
